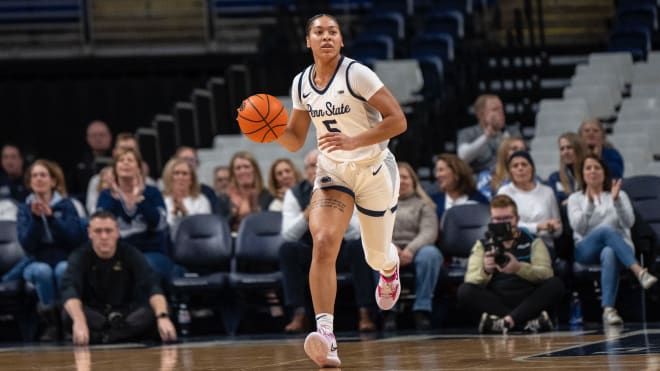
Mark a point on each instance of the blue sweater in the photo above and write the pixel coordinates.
(439, 199)
(145, 226)
(614, 162)
(52, 241)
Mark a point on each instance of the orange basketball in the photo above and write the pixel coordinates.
(262, 118)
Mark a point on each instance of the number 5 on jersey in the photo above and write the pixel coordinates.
(328, 124)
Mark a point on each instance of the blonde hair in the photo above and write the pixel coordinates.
(417, 186)
(168, 174)
(580, 150)
(272, 179)
(501, 163)
(597, 122)
(55, 172)
(123, 152)
(258, 180)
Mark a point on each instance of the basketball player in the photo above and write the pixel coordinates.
(355, 115)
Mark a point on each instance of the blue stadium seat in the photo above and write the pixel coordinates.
(449, 22)
(439, 45)
(40, 11)
(636, 41)
(368, 48)
(462, 226)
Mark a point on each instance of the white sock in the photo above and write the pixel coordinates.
(326, 321)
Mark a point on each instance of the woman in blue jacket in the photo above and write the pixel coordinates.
(140, 210)
(49, 229)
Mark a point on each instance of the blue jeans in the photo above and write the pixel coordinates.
(606, 245)
(45, 279)
(427, 263)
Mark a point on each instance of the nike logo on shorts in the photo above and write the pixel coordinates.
(377, 170)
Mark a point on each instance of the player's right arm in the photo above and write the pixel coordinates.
(296, 130)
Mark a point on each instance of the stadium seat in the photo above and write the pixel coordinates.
(255, 265)
(462, 226)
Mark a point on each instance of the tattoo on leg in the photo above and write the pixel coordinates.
(335, 204)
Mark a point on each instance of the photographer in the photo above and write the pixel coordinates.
(509, 279)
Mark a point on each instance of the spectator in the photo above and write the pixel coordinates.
(108, 287)
(49, 229)
(246, 188)
(106, 178)
(601, 216)
(517, 293)
(538, 210)
(98, 155)
(122, 141)
(296, 254)
(477, 145)
(182, 193)
(283, 175)
(415, 232)
(566, 180)
(455, 184)
(490, 181)
(140, 210)
(593, 134)
(220, 186)
(12, 184)
(190, 154)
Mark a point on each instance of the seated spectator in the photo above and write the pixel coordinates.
(108, 289)
(105, 180)
(415, 233)
(296, 255)
(282, 176)
(601, 216)
(490, 181)
(220, 186)
(566, 180)
(49, 229)
(456, 184)
(477, 145)
(592, 133)
(246, 188)
(190, 154)
(122, 141)
(12, 182)
(140, 211)
(538, 211)
(512, 294)
(182, 193)
(98, 155)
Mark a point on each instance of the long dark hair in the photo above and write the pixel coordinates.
(607, 179)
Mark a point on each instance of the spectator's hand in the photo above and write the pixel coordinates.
(281, 191)
(616, 188)
(80, 333)
(334, 141)
(489, 262)
(179, 207)
(405, 257)
(490, 130)
(512, 267)
(35, 206)
(553, 225)
(45, 207)
(138, 185)
(166, 330)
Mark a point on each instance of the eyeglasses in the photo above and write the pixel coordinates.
(502, 219)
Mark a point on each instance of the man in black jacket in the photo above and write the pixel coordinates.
(107, 286)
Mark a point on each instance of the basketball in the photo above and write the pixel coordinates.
(262, 118)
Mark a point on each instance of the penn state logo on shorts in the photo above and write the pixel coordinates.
(326, 179)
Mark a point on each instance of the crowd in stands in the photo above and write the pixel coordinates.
(98, 269)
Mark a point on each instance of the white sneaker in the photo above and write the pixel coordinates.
(388, 290)
(646, 279)
(611, 317)
(321, 347)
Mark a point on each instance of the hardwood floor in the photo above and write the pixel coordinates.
(632, 349)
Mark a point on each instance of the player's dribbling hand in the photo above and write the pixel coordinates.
(336, 141)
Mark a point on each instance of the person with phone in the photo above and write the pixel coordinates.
(509, 278)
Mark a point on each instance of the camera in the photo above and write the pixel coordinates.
(495, 235)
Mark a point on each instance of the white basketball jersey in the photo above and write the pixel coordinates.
(342, 105)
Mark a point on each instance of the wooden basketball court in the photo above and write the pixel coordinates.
(632, 349)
